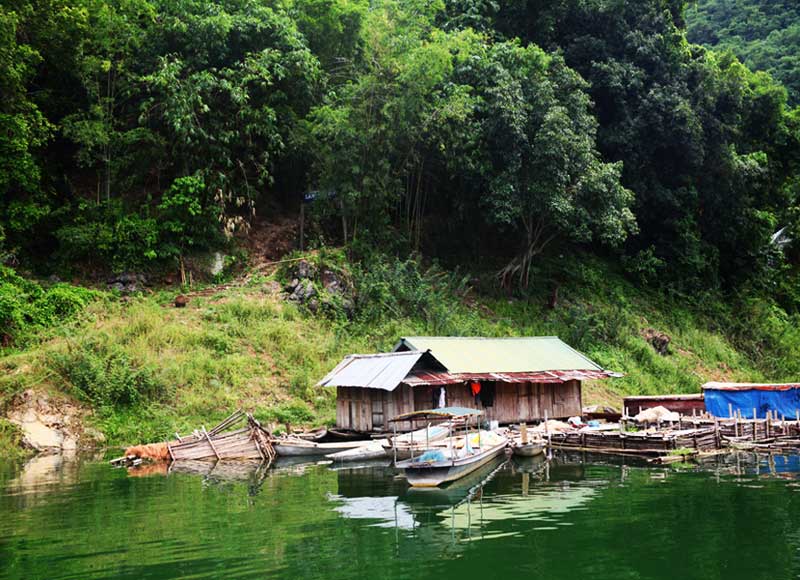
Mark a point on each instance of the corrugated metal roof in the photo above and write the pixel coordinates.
(373, 371)
(500, 355)
(751, 386)
(421, 378)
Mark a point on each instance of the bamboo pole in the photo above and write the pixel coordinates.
(210, 442)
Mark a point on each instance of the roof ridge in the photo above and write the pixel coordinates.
(481, 337)
(385, 354)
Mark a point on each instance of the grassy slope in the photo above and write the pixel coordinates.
(246, 347)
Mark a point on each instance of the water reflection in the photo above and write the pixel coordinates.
(529, 489)
(43, 473)
(311, 519)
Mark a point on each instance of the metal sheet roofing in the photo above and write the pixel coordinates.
(373, 371)
(750, 386)
(421, 378)
(500, 355)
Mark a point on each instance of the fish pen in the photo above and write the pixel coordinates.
(738, 428)
(637, 443)
(698, 434)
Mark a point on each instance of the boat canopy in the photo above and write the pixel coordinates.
(443, 413)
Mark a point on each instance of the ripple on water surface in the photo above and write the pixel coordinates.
(733, 518)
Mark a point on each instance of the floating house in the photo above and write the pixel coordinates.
(683, 404)
(781, 399)
(510, 379)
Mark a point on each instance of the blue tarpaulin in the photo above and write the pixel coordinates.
(782, 400)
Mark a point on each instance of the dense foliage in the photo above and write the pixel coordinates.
(135, 133)
(765, 34)
(26, 308)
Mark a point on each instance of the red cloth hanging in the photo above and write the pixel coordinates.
(476, 388)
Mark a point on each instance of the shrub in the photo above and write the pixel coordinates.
(26, 308)
(59, 303)
(106, 376)
(10, 440)
(12, 313)
(110, 234)
(292, 413)
(390, 288)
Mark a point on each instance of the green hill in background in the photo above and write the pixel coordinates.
(457, 167)
(764, 34)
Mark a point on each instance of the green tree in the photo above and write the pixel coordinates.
(231, 80)
(186, 219)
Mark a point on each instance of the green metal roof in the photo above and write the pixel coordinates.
(500, 355)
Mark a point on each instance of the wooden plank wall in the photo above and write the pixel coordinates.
(513, 402)
(354, 407)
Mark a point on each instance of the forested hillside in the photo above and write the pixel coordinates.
(579, 160)
(137, 132)
(765, 34)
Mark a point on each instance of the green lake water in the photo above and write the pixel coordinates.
(574, 517)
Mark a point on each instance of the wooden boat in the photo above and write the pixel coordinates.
(293, 447)
(316, 435)
(366, 452)
(449, 460)
(421, 473)
(530, 449)
(343, 435)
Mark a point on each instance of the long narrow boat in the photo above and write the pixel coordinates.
(293, 447)
(446, 461)
(367, 451)
(422, 473)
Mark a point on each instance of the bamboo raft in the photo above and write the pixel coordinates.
(239, 437)
(637, 443)
(700, 434)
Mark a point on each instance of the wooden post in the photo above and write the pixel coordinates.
(730, 411)
(302, 225)
(547, 436)
(755, 424)
(394, 441)
(523, 429)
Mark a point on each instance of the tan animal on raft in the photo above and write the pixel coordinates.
(151, 451)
